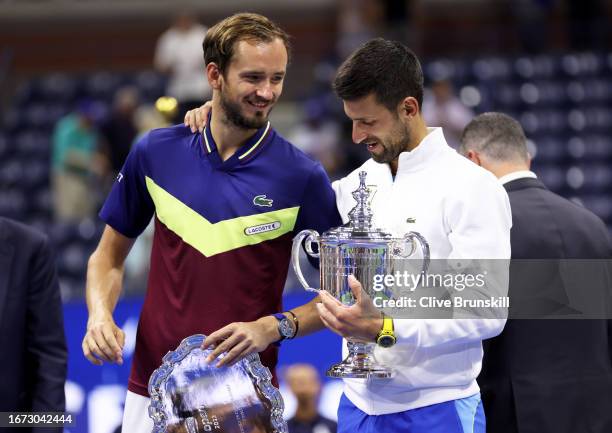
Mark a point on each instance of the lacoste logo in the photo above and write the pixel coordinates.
(261, 200)
(262, 228)
(410, 220)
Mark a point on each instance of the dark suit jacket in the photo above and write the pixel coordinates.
(549, 376)
(33, 353)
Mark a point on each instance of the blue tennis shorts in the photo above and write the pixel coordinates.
(465, 415)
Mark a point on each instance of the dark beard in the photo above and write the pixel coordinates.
(233, 114)
(393, 147)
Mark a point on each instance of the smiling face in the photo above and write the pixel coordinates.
(252, 82)
(380, 130)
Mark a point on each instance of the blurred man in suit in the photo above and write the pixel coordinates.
(542, 376)
(33, 357)
(305, 384)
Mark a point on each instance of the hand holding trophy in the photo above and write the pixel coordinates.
(358, 249)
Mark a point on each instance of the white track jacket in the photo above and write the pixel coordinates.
(464, 213)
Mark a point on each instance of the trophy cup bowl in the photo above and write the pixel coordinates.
(363, 251)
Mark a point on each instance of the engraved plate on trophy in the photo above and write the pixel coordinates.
(188, 395)
(360, 249)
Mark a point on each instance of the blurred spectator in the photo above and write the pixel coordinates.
(319, 136)
(33, 357)
(304, 382)
(118, 130)
(442, 108)
(358, 22)
(74, 161)
(179, 56)
(147, 117)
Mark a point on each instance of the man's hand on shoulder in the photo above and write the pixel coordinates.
(240, 339)
(196, 119)
(103, 341)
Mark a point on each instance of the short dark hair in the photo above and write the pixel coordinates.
(497, 135)
(386, 68)
(221, 38)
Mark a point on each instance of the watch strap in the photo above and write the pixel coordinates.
(296, 322)
(387, 330)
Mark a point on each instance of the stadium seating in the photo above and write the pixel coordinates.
(564, 102)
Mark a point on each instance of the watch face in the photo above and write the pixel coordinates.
(386, 341)
(285, 328)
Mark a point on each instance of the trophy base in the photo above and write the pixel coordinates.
(360, 365)
(351, 372)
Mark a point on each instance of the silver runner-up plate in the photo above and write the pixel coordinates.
(188, 395)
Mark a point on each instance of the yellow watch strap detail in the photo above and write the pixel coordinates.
(387, 324)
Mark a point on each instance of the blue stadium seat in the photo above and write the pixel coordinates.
(58, 87)
(11, 172)
(35, 175)
(601, 205)
(14, 120)
(552, 176)
(543, 93)
(26, 92)
(541, 67)
(543, 121)
(591, 120)
(62, 233)
(506, 95)
(102, 85)
(477, 97)
(72, 260)
(550, 149)
(33, 144)
(583, 65)
(590, 147)
(151, 85)
(492, 69)
(42, 200)
(589, 178)
(13, 203)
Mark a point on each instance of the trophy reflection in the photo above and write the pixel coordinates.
(360, 249)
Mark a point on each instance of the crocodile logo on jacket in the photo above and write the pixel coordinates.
(261, 200)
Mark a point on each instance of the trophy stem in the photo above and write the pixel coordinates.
(360, 363)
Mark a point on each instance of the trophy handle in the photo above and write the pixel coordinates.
(310, 236)
(410, 240)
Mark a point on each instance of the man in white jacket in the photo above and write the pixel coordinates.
(418, 184)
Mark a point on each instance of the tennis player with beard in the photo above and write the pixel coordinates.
(226, 204)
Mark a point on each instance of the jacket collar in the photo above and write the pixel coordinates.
(246, 152)
(523, 183)
(425, 152)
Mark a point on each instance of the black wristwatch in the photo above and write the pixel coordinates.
(287, 328)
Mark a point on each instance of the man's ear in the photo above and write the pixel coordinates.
(408, 108)
(214, 75)
(474, 157)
